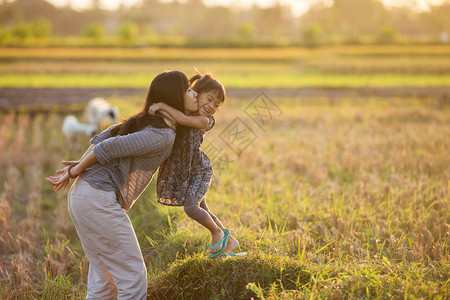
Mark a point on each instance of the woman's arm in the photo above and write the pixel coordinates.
(85, 162)
(199, 122)
(146, 141)
(89, 150)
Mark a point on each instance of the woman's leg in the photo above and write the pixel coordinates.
(100, 282)
(109, 243)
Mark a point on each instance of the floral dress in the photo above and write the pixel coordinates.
(187, 171)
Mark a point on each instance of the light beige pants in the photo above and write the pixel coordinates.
(116, 268)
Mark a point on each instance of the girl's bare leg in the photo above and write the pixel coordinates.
(216, 234)
(200, 213)
(232, 242)
(195, 212)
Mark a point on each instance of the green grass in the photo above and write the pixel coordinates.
(199, 277)
(344, 66)
(229, 80)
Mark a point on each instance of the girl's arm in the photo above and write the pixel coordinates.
(199, 122)
(168, 119)
(61, 182)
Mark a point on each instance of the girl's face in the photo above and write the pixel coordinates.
(208, 104)
(190, 101)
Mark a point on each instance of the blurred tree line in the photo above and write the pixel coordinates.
(191, 22)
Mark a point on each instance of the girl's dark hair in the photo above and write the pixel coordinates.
(206, 83)
(168, 87)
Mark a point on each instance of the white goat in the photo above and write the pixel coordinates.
(100, 113)
(72, 129)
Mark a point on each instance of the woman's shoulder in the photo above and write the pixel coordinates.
(165, 132)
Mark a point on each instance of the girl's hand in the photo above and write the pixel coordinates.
(154, 108)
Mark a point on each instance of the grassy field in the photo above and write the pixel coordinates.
(333, 198)
(364, 66)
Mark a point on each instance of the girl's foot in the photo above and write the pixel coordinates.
(216, 238)
(231, 245)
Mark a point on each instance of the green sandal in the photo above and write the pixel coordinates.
(222, 242)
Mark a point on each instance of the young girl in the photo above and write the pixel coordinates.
(184, 178)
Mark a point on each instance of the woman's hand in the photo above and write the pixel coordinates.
(59, 182)
(154, 108)
(62, 181)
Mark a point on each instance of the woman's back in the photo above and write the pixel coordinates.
(127, 163)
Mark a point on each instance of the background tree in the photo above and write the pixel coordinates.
(205, 28)
(21, 32)
(386, 35)
(267, 20)
(439, 17)
(340, 21)
(312, 35)
(246, 32)
(408, 23)
(41, 28)
(94, 33)
(9, 14)
(128, 33)
(5, 36)
(354, 17)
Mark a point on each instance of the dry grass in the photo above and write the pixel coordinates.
(353, 190)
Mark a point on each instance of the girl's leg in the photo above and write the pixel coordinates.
(198, 210)
(192, 209)
(232, 242)
(109, 243)
(204, 205)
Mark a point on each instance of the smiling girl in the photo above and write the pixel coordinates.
(185, 177)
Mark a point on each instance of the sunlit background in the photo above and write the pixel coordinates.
(298, 6)
(330, 153)
(223, 22)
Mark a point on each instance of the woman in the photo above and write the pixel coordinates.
(112, 174)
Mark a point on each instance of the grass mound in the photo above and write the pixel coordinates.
(199, 277)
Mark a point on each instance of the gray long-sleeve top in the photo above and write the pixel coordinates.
(127, 163)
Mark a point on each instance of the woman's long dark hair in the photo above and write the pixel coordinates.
(168, 87)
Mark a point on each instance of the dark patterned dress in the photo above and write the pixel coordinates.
(187, 171)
